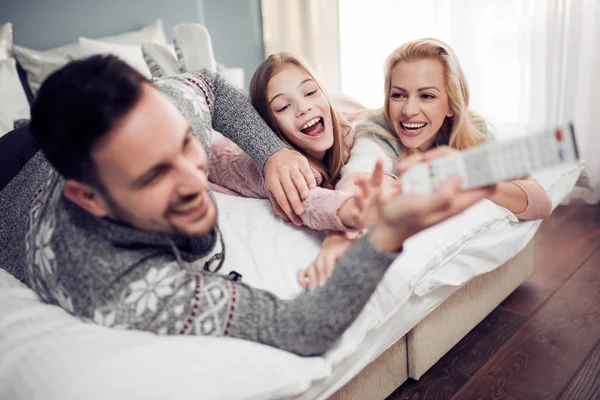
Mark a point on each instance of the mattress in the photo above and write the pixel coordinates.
(459, 271)
(47, 353)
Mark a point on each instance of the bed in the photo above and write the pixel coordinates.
(448, 279)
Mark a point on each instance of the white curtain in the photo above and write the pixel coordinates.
(565, 60)
(306, 28)
(529, 63)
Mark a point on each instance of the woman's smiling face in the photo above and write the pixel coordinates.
(418, 103)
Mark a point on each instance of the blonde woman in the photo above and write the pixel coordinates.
(427, 106)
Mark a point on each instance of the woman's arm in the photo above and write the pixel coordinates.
(510, 196)
(525, 198)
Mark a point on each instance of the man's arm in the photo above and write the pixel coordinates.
(303, 325)
(162, 297)
(166, 298)
(236, 119)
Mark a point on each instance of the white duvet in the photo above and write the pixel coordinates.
(47, 354)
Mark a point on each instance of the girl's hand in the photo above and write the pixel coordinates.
(335, 245)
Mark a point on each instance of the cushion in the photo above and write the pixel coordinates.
(6, 41)
(160, 60)
(49, 354)
(40, 64)
(14, 105)
(131, 54)
(13, 101)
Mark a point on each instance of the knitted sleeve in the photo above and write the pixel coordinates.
(233, 169)
(208, 102)
(235, 118)
(539, 205)
(303, 325)
(321, 209)
(163, 297)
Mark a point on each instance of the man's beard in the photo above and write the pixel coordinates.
(118, 213)
(121, 215)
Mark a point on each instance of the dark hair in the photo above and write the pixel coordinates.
(79, 104)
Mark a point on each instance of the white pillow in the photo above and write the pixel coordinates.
(40, 64)
(6, 41)
(49, 354)
(13, 102)
(160, 60)
(131, 54)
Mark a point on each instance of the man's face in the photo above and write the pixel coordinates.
(154, 170)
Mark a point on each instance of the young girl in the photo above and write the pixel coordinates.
(288, 97)
(427, 105)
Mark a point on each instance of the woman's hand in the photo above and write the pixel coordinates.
(335, 245)
(506, 194)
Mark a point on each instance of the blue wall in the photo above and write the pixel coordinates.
(42, 24)
(236, 30)
(235, 25)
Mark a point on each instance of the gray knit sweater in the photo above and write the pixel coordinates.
(118, 276)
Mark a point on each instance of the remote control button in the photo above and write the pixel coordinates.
(559, 135)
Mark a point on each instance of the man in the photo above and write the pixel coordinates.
(124, 233)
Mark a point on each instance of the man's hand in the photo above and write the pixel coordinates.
(362, 209)
(335, 245)
(405, 215)
(288, 178)
(408, 162)
(408, 214)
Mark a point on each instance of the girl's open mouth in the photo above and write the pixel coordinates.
(313, 128)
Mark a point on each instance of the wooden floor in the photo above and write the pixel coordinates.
(543, 341)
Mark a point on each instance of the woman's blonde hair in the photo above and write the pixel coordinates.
(333, 161)
(464, 125)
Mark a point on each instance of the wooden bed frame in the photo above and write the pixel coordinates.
(417, 351)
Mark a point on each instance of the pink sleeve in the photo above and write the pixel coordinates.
(539, 205)
(321, 209)
(229, 167)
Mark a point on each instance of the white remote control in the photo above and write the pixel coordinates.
(494, 162)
